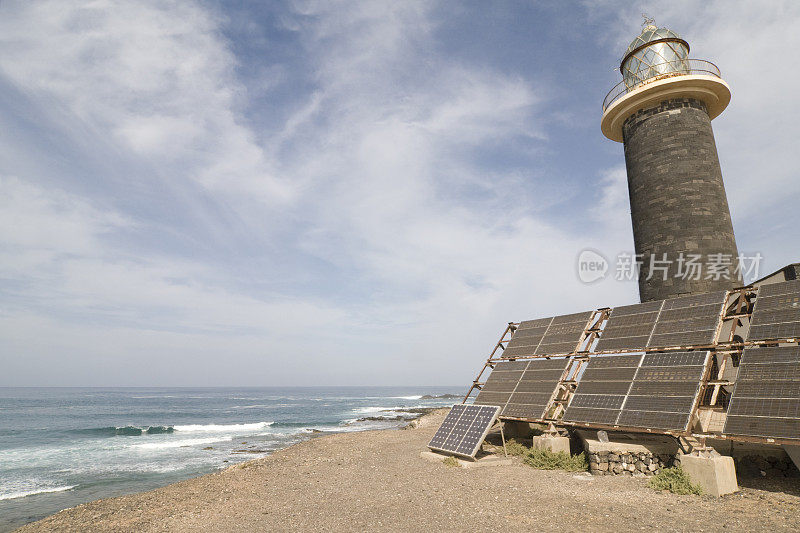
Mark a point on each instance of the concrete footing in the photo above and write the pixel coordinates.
(716, 475)
(486, 460)
(553, 443)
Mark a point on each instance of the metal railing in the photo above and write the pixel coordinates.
(660, 71)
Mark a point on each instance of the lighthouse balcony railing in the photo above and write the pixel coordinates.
(650, 73)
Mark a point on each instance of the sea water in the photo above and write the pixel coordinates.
(63, 447)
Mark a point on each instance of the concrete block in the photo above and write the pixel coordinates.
(794, 454)
(551, 443)
(627, 443)
(717, 475)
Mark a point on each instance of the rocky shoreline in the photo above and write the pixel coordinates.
(412, 414)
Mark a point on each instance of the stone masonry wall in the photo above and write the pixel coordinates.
(627, 463)
(678, 201)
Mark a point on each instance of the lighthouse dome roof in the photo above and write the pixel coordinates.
(649, 34)
(654, 53)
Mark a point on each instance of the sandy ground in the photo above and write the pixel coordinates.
(377, 481)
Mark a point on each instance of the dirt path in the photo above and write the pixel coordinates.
(377, 481)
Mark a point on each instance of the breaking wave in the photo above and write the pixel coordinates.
(227, 428)
(128, 431)
(42, 490)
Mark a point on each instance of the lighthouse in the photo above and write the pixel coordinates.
(662, 111)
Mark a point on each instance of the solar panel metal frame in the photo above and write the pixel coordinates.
(489, 414)
(765, 402)
(671, 326)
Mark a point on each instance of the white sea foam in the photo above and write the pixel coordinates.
(220, 428)
(374, 409)
(378, 409)
(31, 492)
(179, 443)
(415, 397)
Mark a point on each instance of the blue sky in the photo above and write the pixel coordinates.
(345, 193)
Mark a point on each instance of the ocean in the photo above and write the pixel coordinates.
(60, 447)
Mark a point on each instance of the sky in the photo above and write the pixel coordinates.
(233, 193)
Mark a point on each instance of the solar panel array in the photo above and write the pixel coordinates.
(776, 314)
(766, 397)
(546, 336)
(464, 429)
(683, 321)
(523, 389)
(651, 391)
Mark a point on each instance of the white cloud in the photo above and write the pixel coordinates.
(385, 192)
(156, 76)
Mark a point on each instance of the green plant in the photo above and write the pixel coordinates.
(514, 447)
(451, 461)
(547, 460)
(675, 480)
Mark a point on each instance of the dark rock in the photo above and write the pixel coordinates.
(250, 451)
(439, 397)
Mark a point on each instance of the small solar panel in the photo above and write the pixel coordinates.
(776, 314)
(464, 429)
(651, 391)
(765, 398)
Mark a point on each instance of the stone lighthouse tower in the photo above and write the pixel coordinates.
(662, 112)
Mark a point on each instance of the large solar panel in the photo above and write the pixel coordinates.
(682, 321)
(688, 320)
(651, 391)
(629, 327)
(535, 388)
(464, 429)
(522, 389)
(766, 397)
(564, 333)
(555, 335)
(776, 314)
